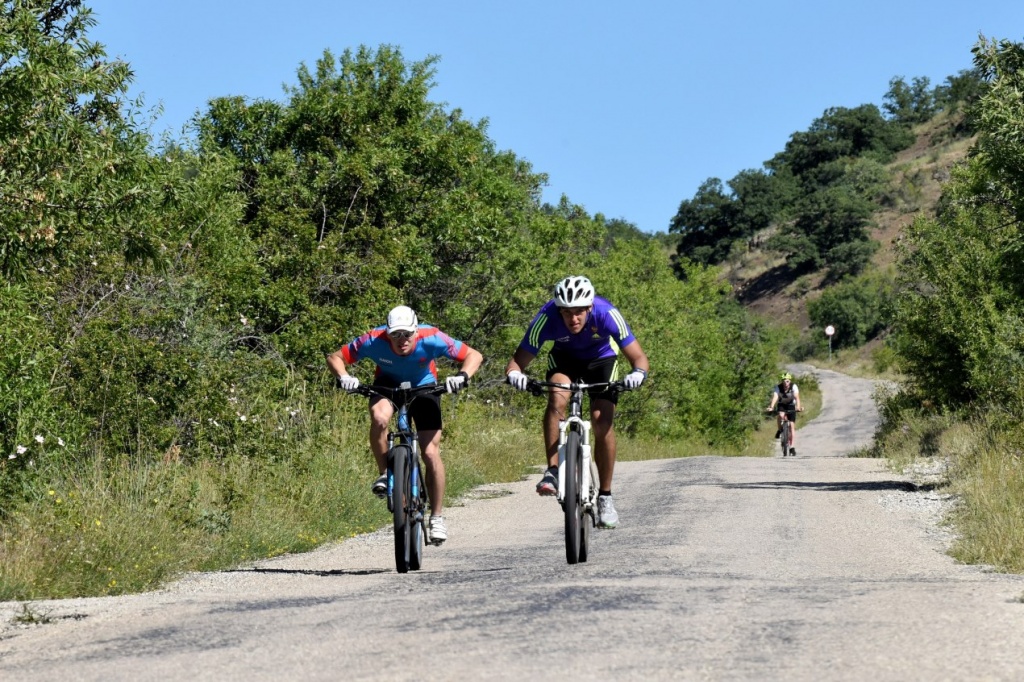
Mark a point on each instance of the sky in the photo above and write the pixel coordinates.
(628, 107)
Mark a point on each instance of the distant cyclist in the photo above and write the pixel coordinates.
(786, 395)
(405, 350)
(587, 332)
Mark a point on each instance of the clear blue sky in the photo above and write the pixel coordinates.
(627, 106)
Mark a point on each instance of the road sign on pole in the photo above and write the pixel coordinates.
(829, 331)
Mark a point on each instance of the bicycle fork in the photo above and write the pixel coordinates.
(587, 487)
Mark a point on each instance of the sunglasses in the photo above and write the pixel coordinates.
(401, 335)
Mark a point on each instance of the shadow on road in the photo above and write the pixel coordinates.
(835, 486)
(301, 571)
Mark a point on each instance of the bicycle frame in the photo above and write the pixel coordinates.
(404, 457)
(577, 471)
(786, 438)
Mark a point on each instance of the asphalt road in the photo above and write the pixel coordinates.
(819, 567)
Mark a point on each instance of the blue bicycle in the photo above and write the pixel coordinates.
(407, 490)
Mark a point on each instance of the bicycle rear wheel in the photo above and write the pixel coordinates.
(572, 500)
(399, 466)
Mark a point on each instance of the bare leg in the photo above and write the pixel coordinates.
(380, 418)
(430, 445)
(557, 400)
(602, 416)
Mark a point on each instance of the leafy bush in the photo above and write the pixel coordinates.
(858, 308)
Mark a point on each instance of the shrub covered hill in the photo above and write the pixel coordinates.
(811, 239)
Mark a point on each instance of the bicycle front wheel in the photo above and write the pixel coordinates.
(401, 496)
(572, 498)
(417, 531)
(589, 515)
(784, 439)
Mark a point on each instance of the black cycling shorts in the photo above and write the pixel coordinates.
(587, 371)
(790, 411)
(425, 410)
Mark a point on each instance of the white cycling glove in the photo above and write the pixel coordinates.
(348, 382)
(457, 382)
(517, 379)
(634, 379)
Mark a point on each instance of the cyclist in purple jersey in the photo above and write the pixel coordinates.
(587, 333)
(405, 350)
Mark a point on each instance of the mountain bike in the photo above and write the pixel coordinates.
(786, 433)
(407, 490)
(786, 437)
(577, 471)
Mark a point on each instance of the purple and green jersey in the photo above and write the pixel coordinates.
(601, 337)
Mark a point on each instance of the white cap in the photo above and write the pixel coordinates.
(402, 319)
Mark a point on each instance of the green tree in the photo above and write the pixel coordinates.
(842, 132)
(705, 224)
(910, 104)
(68, 159)
(958, 315)
(858, 308)
(362, 193)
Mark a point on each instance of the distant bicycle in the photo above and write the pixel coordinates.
(786, 433)
(577, 472)
(407, 490)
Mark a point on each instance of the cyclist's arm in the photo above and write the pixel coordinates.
(636, 356)
(472, 362)
(775, 399)
(796, 398)
(520, 360)
(337, 364)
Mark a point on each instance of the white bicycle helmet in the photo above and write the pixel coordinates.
(402, 319)
(574, 292)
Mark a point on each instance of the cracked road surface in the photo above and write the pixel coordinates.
(721, 569)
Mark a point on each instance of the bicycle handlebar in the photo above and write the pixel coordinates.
(537, 387)
(398, 395)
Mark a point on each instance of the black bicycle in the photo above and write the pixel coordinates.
(407, 490)
(786, 437)
(785, 432)
(577, 472)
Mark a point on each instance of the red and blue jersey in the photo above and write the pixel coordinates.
(604, 332)
(418, 368)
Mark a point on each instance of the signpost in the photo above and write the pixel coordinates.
(829, 331)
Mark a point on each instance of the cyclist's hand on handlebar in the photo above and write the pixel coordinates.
(634, 379)
(457, 382)
(517, 379)
(348, 382)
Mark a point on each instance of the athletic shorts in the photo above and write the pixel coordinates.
(587, 371)
(790, 412)
(425, 410)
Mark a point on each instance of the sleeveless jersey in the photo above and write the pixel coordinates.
(604, 332)
(787, 398)
(418, 368)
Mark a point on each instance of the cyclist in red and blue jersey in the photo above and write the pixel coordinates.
(587, 332)
(405, 350)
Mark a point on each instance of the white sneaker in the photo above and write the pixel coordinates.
(380, 486)
(607, 517)
(438, 531)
